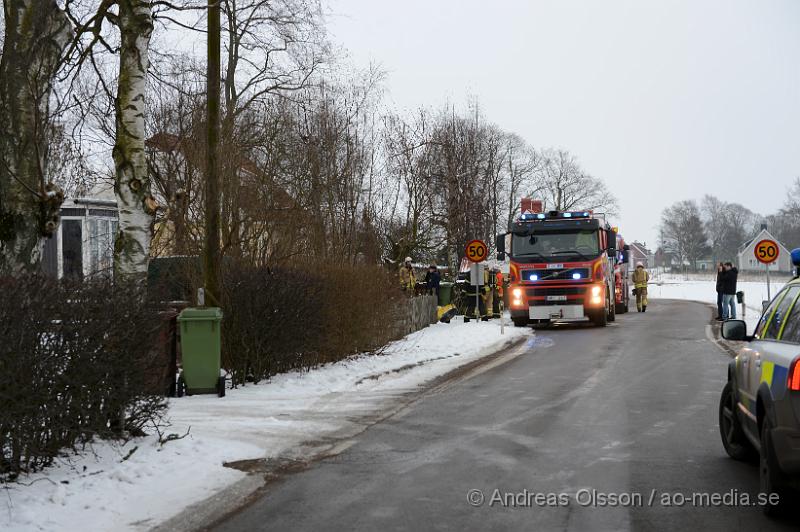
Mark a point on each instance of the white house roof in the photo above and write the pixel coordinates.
(640, 248)
(763, 234)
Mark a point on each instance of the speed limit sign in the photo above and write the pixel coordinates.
(767, 251)
(477, 251)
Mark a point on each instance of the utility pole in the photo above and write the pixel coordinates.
(211, 255)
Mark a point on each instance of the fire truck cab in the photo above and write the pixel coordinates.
(563, 266)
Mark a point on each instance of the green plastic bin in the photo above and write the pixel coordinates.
(200, 351)
(445, 294)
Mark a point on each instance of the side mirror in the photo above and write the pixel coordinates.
(735, 330)
(500, 245)
(612, 243)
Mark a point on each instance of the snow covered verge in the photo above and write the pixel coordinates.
(703, 288)
(140, 484)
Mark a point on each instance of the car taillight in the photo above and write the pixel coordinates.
(794, 376)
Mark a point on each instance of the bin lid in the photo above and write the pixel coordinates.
(201, 314)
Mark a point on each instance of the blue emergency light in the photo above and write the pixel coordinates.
(534, 277)
(553, 214)
(796, 257)
(576, 275)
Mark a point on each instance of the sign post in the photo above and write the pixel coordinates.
(767, 252)
(476, 251)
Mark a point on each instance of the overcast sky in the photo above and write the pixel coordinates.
(665, 100)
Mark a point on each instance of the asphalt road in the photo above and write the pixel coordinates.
(629, 411)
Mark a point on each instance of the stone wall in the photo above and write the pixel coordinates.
(415, 313)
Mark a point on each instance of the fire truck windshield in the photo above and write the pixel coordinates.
(551, 245)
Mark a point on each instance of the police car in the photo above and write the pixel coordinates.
(759, 411)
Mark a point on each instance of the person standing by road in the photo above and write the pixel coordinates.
(408, 277)
(730, 276)
(640, 279)
(720, 270)
(433, 279)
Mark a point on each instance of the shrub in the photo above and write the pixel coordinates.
(277, 320)
(76, 361)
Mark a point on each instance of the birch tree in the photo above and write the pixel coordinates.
(132, 185)
(121, 29)
(36, 33)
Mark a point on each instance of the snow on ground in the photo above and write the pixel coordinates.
(703, 288)
(108, 488)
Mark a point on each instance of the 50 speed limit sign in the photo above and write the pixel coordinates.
(477, 251)
(767, 251)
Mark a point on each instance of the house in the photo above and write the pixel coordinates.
(640, 253)
(83, 244)
(746, 258)
(256, 210)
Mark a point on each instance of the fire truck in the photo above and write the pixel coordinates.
(563, 266)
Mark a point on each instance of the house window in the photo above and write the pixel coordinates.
(72, 249)
(102, 233)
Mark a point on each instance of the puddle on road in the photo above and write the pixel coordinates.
(539, 341)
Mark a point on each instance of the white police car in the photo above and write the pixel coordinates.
(759, 411)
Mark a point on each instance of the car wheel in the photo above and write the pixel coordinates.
(734, 440)
(770, 476)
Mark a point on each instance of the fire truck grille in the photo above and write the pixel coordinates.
(554, 275)
(565, 291)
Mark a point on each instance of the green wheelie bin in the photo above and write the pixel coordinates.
(200, 351)
(445, 294)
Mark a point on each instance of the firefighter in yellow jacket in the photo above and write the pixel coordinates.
(408, 277)
(640, 278)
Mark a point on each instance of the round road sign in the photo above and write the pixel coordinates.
(766, 251)
(477, 251)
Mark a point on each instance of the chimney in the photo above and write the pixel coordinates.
(530, 205)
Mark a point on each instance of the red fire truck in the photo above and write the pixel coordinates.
(564, 266)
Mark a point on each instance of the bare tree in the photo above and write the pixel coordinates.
(36, 33)
(682, 233)
(565, 186)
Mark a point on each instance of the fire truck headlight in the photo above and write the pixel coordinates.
(517, 293)
(596, 291)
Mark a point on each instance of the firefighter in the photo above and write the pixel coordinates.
(498, 298)
(470, 294)
(640, 278)
(408, 278)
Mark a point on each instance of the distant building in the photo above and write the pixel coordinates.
(746, 258)
(705, 264)
(640, 253)
(83, 244)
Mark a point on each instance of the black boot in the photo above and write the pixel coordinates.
(644, 308)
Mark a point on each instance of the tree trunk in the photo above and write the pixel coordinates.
(36, 34)
(132, 185)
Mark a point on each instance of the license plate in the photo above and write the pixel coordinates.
(556, 298)
(555, 266)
